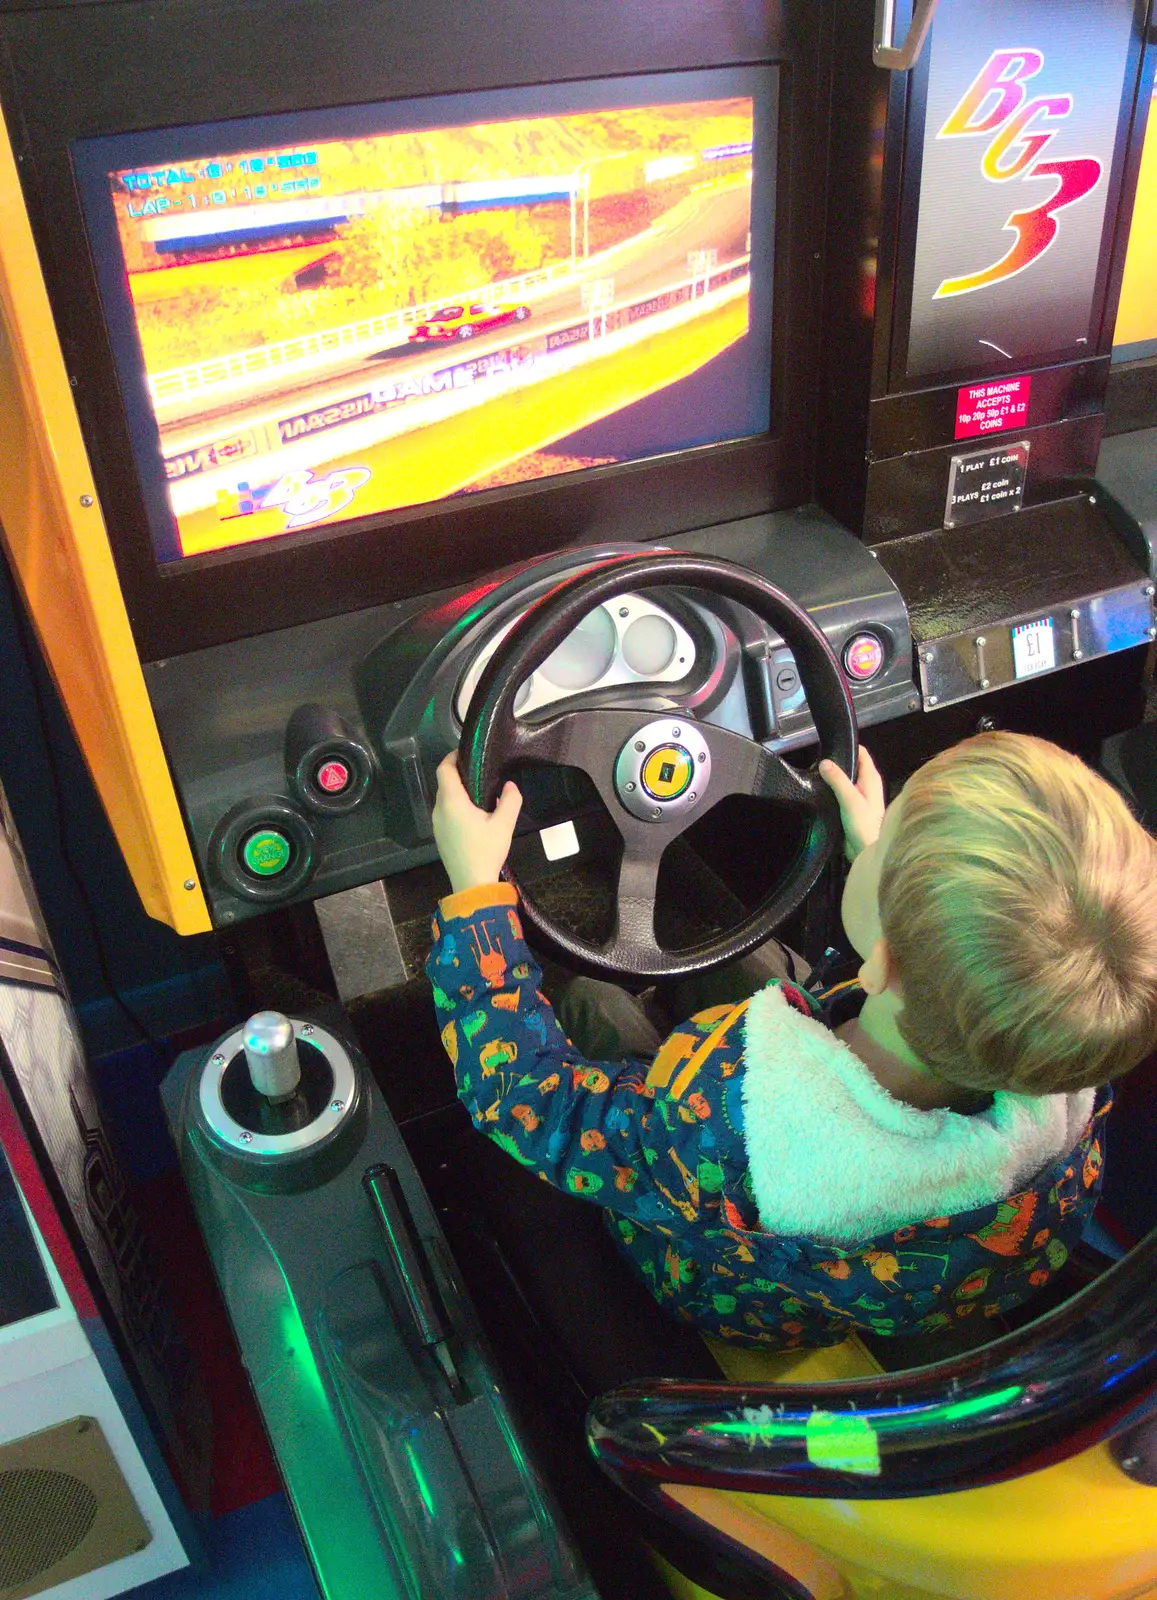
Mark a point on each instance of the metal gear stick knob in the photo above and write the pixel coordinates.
(271, 1054)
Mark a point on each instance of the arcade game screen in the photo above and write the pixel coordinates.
(348, 313)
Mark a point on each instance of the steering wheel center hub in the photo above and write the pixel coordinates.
(663, 770)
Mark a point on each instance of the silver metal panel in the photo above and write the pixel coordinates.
(361, 940)
(959, 666)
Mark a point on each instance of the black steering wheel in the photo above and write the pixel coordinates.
(656, 772)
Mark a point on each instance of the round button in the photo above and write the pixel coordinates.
(266, 853)
(863, 657)
(332, 777)
(667, 772)
(263, 849)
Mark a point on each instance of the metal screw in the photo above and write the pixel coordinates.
(307, 1029)
(189, 884)
(630, 788)
(658, 811)
(927, 655)
(640, 746)
(1149, 591)
(702, 755)
(932, 699)
(624, 611)
(984, 683)
(981, 641)
(218, 1060)
(675, 732)
(86, 500)
(1092, 499)
(337, 1105)
(913, 704)
(692, 795)
(246, 1138)
(1152, 632)
(1074, 614)
(1078, 655)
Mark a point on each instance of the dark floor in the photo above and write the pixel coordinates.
(250, 1554)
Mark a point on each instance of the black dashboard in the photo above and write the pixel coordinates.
(304, 758)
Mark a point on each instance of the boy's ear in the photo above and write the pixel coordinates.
(879, 970)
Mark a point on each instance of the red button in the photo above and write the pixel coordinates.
(863, 657)
(333, 777)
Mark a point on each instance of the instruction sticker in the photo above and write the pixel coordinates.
(992, 407)
(1033, 647)
(986, 483)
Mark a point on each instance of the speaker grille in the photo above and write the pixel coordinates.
(65, 1508)
(43, 1517)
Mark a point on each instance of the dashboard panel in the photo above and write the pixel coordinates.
(633, 641)
(305, 758)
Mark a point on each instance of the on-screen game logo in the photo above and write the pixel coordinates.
(997, 103)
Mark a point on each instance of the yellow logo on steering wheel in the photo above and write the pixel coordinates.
(667, 772)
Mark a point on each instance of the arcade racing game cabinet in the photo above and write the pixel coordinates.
(376, 380)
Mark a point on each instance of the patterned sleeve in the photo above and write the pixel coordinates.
(585, 1126)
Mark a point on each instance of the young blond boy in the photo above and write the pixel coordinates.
(779, 1182)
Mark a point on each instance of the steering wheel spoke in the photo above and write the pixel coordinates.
(743, 766)
(633, 937)
(586, 739)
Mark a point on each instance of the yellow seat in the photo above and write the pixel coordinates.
(1081, 1530)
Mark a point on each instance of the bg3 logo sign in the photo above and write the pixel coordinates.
(997, 103)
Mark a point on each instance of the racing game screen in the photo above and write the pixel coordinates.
(310, 330)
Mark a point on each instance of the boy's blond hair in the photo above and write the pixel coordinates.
(1019, 901)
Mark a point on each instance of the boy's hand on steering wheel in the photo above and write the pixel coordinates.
(861, 803)
(473, 843)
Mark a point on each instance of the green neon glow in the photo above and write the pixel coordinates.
(984, 1402)
(760, 1429)
(844, 1441)
(297, 1344)
(420, 1480)
(765, 1424)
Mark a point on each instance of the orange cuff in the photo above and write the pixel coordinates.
(467, 901)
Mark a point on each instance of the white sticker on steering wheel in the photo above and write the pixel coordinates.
(559, 842)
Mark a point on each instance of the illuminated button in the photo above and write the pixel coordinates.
(863, 657)
(266, 853)
(333, 777)
(667, 772)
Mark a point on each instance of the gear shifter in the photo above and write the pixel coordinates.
(271, 1056)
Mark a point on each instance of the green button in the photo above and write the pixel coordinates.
(266, 853)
